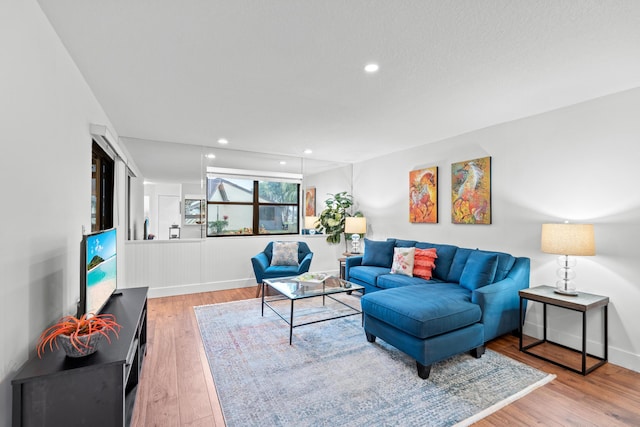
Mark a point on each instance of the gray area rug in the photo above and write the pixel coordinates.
(331, 375)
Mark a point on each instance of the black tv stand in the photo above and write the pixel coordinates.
(99, 389)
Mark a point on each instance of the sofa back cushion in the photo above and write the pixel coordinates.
(505, 264)
(403, 259)
(479, 271)
(424, 262)
(378, 254)
(444, 260)
(405, 243)
(457, 265)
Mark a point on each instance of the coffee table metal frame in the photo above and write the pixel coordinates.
(286, 287)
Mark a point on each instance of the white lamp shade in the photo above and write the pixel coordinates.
(568, 239)
(310, 221)
(355, 225)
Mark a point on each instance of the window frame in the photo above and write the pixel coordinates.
(255, 204)
(102, 187)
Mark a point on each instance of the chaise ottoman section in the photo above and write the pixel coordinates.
(428, 322)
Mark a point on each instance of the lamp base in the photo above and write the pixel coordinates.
(355, 243)
(563, 292)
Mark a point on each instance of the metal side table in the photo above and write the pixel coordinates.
(582, 302)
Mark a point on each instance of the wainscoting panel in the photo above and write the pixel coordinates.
(184, 266)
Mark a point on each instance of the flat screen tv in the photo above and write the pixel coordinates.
(99, 268)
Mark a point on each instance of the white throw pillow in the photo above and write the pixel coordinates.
(403, 259)
(285, 253)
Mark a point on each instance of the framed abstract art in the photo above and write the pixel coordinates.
(310, 201)
(423, 195)
(471, 191)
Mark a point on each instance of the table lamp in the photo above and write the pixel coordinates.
(310, 223)
(567, 240)
(355, 225)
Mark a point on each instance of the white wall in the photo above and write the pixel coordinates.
(329, 182)
(45, 171)
(188, 265)
(578, 164)
(175, 267)
(136, 209)
(155, 191)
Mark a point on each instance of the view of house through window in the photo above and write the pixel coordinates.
(239, 206)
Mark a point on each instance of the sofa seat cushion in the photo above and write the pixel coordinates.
(280, 271)
(388, 281)
(423, 310)
(367, 273)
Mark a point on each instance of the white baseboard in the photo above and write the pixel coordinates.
(193, 288)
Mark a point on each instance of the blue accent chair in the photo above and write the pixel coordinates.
(264, 270)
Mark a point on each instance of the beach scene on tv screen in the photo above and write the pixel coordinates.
(101, 269)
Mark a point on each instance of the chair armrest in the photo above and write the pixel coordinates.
(260, 263)
(352, 261)
(305, 263)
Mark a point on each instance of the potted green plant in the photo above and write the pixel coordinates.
(332, 218)
(79, 337)
(218, 226)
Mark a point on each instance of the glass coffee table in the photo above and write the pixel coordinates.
(310, 285)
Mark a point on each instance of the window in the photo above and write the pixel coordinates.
(241, 206)
(193, 211)
(102, 169)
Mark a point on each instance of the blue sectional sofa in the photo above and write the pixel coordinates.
(471, 299)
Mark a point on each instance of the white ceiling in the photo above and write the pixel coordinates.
(280, 76)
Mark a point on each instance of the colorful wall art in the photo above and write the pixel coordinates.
(471, 191)
(423, 195)
(310, 202)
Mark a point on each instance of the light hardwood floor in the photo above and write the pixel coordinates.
(177, 389)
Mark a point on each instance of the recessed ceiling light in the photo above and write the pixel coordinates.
(371, 68)
(308, 151)
(223, 141)
(282, 162)
(211, 156)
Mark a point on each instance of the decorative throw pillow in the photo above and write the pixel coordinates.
(479, 271)
(403, 261)
(424, 263)
(378, 254)
(285, 253)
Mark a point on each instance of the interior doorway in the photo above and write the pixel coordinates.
(168, 214)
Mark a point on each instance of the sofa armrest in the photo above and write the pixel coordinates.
(352, 261)
(260, 263)
(500, 302)
(305, 264)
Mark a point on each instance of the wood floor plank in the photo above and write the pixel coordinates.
(162, 407)
(217, 419)
(193, 395)
(606, 397)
